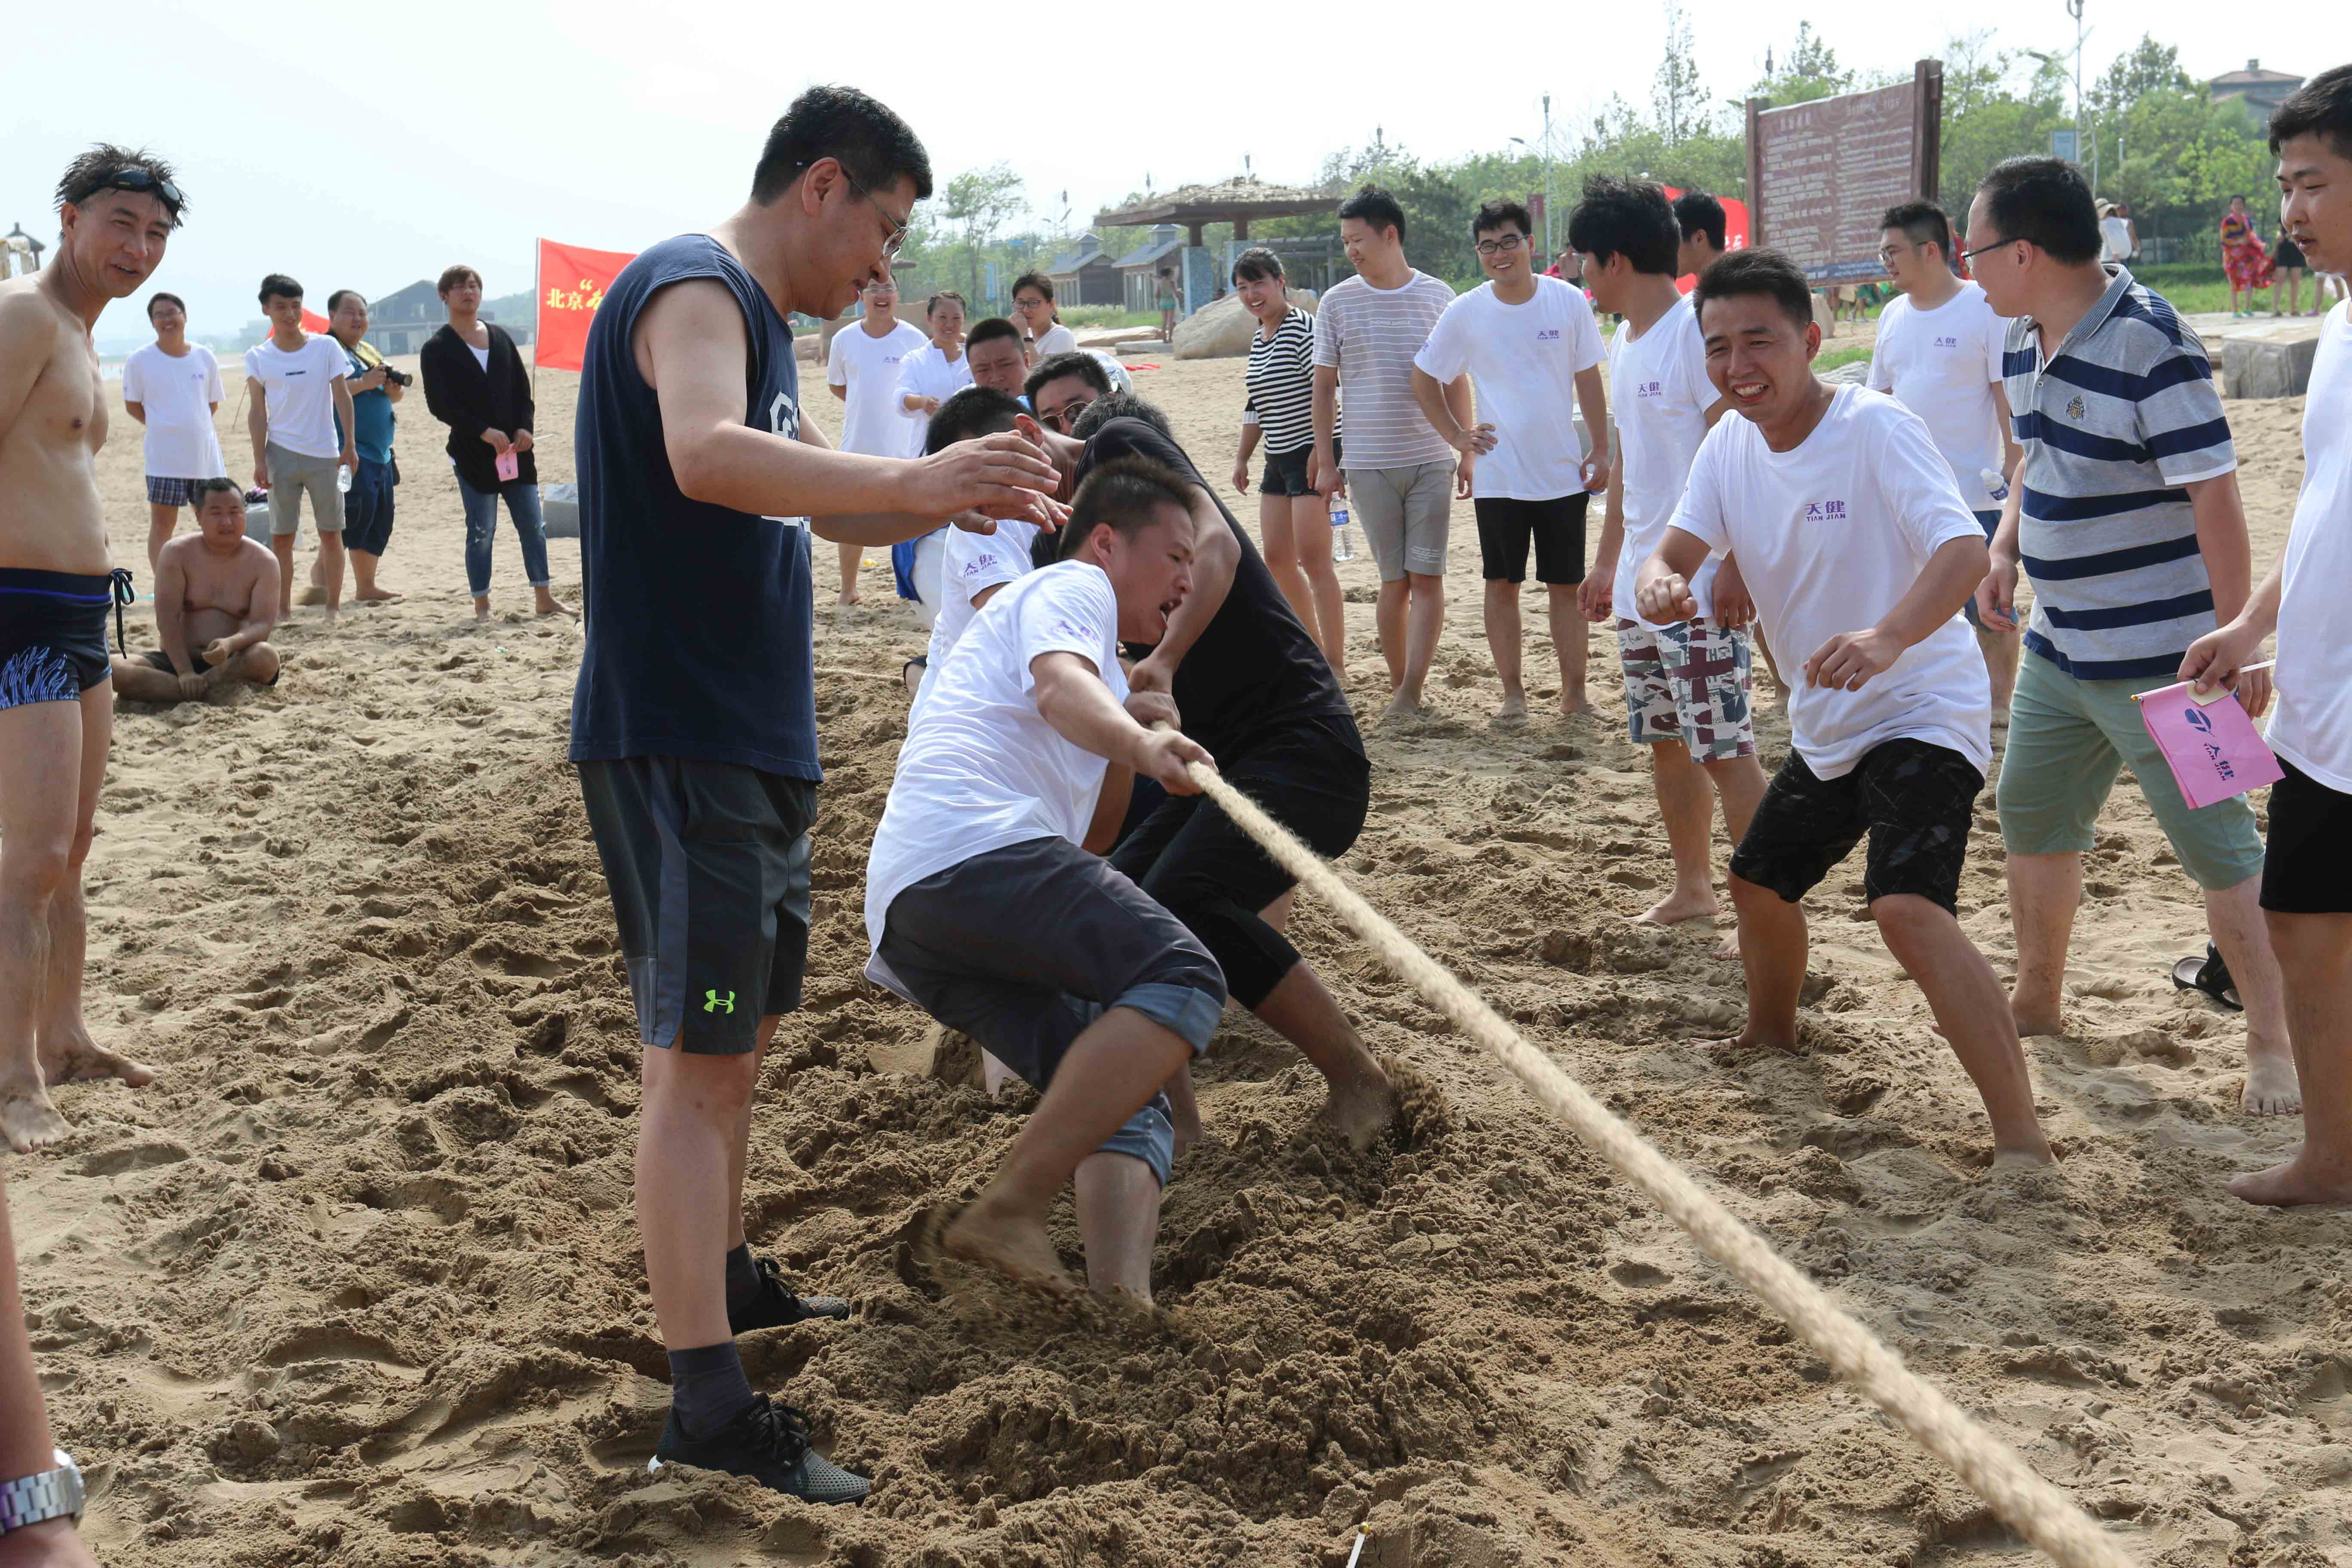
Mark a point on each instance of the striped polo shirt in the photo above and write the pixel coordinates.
(2114, 427)
(1371, 335)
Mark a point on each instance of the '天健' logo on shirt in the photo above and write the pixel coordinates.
(1947, 342)
(1548, 335)
(1648, 388)
(1825, 511)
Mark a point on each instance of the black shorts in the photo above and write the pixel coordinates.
(709, 865)
(1556, 526)
(1286, 472)
(1915, 799)
(1201, 867)
(2288, 253)
(156, 658)
(52, 636)
(2307, 863)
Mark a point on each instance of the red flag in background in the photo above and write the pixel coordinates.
(571, 284)
(314, 322)
(1735, 231)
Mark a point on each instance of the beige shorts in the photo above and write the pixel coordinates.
(1406, 513)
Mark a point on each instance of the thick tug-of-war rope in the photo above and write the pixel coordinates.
(2039, 1511)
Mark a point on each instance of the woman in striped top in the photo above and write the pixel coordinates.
(1294, 520)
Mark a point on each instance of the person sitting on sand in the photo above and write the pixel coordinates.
(989, 906)
(215, 600)
(1858, 547)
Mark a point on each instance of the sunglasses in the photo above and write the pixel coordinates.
(1062, 418)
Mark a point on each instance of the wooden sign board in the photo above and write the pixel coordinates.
(1821, 175)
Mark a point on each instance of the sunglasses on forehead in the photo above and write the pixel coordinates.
(139, 182)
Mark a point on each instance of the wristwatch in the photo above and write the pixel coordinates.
(36, 1498)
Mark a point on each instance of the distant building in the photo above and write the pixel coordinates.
(1139, 269)
(1085, 274)
(2259, 90)
(400, 322)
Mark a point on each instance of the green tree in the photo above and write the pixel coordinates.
(1810, 71)
(1986, 118)
(2148, 67)
(982, 201)
(1678, 103)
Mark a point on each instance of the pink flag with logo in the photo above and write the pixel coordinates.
(2211, 746)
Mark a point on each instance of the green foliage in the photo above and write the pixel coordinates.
(1810, 72)
(1986, 118)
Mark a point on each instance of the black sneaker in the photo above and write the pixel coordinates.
(768, 1443)
(775, 1305)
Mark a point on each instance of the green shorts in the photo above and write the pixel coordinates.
(2068, 739)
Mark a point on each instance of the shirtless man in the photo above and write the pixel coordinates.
(116, 209)
(215, 600)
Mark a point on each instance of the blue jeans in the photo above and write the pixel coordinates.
(482, 527)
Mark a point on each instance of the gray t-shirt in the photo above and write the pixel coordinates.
(1370, 336)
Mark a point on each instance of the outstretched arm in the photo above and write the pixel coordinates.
(1072, 697)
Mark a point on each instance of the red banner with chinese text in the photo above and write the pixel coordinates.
(571, 284)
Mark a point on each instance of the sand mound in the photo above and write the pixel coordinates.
(357, 1283)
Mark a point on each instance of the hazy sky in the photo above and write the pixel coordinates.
(368, 146)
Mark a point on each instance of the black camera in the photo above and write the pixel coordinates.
(396, 378)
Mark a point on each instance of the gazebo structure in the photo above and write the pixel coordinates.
(1238, 201)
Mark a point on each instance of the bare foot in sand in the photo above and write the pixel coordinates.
(482, 611)
(2302, 1179)
(1679, 906)
(1727, 945)
(1359, 1111)
(846, 600)
(549, 605)
(70, 1056)
(1014, 1244)
(374, 596)
(2271, 1086)
(2024, 1159)
(1571, 703)
(1403, 710)
(315, 594)
(1513, 707)
(27, 1119)
(1752, 1037)
(2032, 1020)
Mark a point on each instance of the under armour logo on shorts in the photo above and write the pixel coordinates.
(712, 1002)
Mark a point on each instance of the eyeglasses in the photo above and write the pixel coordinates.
(1062, 418)
(1980, 250)
(899, 229)
(137, 181)
(1498, 246)
(1887, 253)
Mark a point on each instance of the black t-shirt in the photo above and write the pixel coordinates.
(1253, 672)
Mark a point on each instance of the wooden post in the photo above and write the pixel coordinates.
(1240, 228)
(1754, 175)
(1927, 127)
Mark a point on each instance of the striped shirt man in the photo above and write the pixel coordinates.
(1282, 385)
(2114, 427)
(1370, 336)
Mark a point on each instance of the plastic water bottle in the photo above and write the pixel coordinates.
(1343, 542)
(342, 479)
(1996, 484)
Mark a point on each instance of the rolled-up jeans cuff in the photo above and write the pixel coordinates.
(1191, 1015)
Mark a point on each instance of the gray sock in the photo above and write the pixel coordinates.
(707, 1388)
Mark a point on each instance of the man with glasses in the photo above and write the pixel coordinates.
(1940, 354)
(2126, 514)
(861, 369)
(172, 388)
(1531, 348)
(694, 722)
(116, 209)
(1062, 384)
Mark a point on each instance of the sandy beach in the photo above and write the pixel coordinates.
(357, 1281)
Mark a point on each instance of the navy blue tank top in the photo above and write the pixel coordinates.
(699, 619)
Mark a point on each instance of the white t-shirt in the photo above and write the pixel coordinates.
(1056, 339)
(1523, 360)
(1943, 366)
(1659, 396)
(928, 372)
(868, 368)
(177, 394)
(2115, 238)
(1829, 537)
(980, 769)
(2313, 726)
(300, 387)
(974, 563)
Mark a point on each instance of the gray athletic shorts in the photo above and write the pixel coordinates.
(1022, 948)
(1406, 513)
(292, 476)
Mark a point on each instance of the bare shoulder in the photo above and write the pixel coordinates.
(28, 317)
(252, 555)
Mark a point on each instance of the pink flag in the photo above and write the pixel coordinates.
(509, 465)
(2211, 746)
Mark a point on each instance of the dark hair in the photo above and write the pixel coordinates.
(1500, 211)
(1374, 205)
(1697, 213)
(1113, 405)
(1040, 282)
(990, 331)
(2046, 202)
(2321, 107)
(1752, 271)
(99, 169)
(1620, 216)
(1123, 495)
(1922, 222)
(970, 413)
(335, 299)
(872, 145)
(453, 276)
(159, 297)
(217, 485)
(933, 302)
(1256, 262)
(1069, 362)
(277, 286)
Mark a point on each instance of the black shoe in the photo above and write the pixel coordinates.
(768, 1443)
(775, 1305)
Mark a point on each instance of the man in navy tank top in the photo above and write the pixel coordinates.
(694, 723)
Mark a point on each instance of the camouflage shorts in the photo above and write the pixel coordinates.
(1689, 681)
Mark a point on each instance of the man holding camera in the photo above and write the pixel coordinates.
(375, 386)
